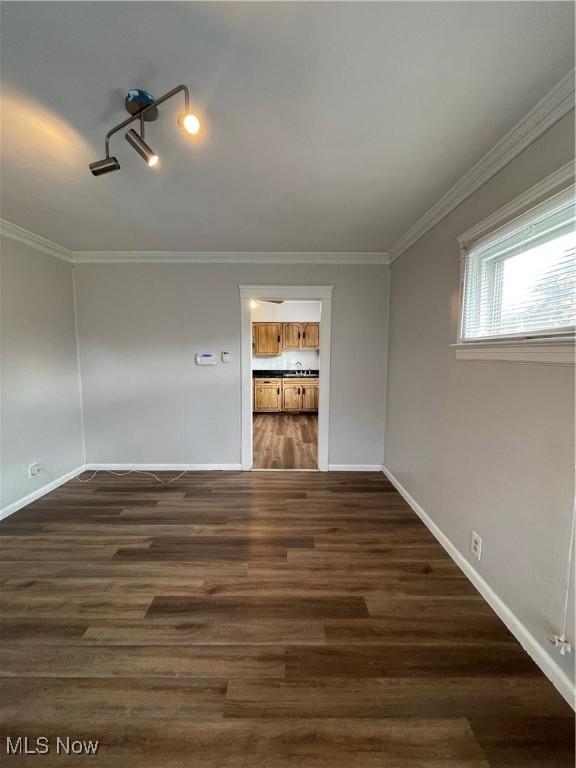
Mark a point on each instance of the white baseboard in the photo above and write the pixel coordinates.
(163, 467)
(553, 672)
(264, 469)
(355, 467)
(224, 467)
(39, 492)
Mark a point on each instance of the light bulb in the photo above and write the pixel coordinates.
(253, 304)
(190, 123)
(153, 161)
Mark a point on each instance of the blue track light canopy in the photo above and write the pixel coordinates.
(136, 100)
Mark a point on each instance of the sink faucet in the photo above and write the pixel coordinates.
(299, 369)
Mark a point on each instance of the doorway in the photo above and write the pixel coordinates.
(285, 365)
(285, 383)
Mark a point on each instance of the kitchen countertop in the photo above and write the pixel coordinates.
(283, 374)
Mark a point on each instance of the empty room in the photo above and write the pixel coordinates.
(287, 425)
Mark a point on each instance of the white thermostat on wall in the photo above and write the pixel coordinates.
(205, 358)
(225, 357)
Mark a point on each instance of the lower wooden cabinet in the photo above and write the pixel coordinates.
(267, 395)
(310, 392)
(289, 395)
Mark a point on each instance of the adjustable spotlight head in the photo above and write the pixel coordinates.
(189, 122)
(136, 141)
(100, 167)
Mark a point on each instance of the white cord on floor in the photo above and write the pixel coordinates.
(561, 641)
(130, 472)
(568, 573)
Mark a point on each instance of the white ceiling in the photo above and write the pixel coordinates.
(331, 127)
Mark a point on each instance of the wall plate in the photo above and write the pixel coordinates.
(205, 358)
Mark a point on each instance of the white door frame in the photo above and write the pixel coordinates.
(321, 293)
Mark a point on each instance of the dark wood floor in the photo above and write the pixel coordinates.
(284, 620)
(285, 440)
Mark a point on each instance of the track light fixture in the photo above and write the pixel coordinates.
(143, 108)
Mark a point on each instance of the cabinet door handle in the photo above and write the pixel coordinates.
(298, 390)
(303, 390)
(298, 335)
(278, 338)
(278, 391)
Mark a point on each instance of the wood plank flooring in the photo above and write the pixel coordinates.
(258, 620)
(285, 440)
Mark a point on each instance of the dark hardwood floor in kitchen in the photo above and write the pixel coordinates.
(285, 440)
(262, 620)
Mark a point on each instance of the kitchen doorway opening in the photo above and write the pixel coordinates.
(285, 364)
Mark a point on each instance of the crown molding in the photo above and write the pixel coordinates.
(557, 103)
(224, 257)
(14, 232)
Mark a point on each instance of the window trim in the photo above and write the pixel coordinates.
(550, 347)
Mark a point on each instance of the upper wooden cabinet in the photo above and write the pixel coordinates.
(292, 334)
(310, 335)
(267, 339)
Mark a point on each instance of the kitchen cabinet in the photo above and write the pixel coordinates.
(291, 395)
(270, 339)
(300, 335)
(291, 335)
(267, 395)
(310, 391)
(267, 339)
(310, 335)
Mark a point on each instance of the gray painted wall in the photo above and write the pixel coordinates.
(40, 414)
(481, 445)
(145, 400)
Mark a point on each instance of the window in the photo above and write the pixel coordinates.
(520, 280)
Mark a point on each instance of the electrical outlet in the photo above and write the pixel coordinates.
(34, 469)
(476, 545)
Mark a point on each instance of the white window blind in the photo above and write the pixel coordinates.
(521, 279)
